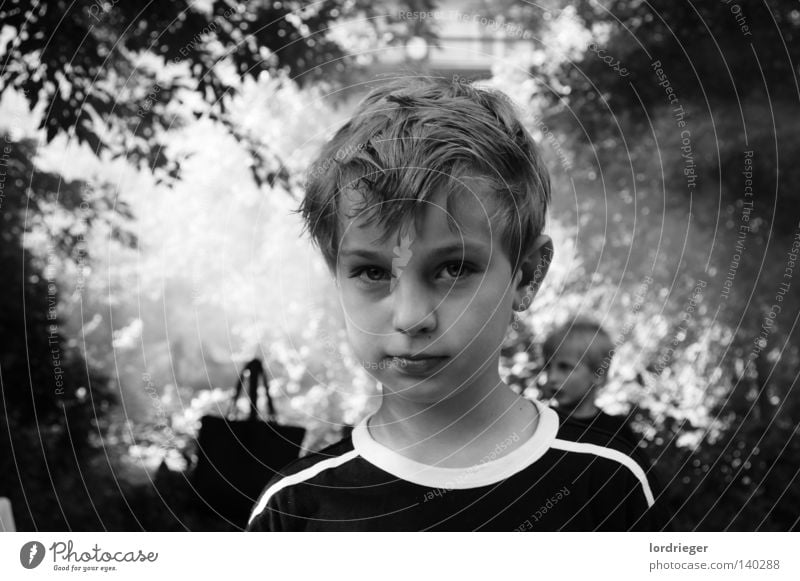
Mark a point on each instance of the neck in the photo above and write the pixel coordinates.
(586, 410)
(457, 431)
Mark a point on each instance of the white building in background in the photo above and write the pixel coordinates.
(469, 44)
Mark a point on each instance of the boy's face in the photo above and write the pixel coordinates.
(570, 379)
(427, 310)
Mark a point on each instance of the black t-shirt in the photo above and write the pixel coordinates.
(547, 483)
(615, 432)
(607, 428)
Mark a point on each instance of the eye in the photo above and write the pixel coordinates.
(370, 274)
(457, 270)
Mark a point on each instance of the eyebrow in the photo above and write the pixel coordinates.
(465, 248)
(359, 253)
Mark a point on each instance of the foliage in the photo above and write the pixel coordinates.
(699, 44)
(50, 400)
(119, 76)
(115, 76)
(216, 274)
(124, 80)
(674, 252)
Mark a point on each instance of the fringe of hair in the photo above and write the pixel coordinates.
(412, 139)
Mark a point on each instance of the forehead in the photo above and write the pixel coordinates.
(573, 347)
(464, 216)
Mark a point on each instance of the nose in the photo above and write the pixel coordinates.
(414, 307)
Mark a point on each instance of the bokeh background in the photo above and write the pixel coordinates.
(152, 156)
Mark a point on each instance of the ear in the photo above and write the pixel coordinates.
(532, 271)
(599, 381)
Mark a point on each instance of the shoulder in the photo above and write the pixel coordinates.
(320, 459)
(612, 439)
(605, 454)
(606, 430)
(616, 485)
(279, 492)
(603, 430)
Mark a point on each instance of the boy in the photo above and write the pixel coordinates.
(576, 356)
(429, 207)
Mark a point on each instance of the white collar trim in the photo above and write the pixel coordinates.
(484, 473)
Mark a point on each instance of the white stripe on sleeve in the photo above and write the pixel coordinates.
(616, 455)
(301, 476)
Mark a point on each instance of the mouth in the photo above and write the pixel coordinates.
(416, 364)
(548, 391)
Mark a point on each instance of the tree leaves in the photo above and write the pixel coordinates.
(82, 60)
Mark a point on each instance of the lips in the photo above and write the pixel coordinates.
(416, 364)
(549, 390)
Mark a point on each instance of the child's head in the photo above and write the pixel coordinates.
(429, 206)
(577, 356)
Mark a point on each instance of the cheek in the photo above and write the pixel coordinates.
(569, 384)
(357, 332)
(576, 385)
(495, 306)
(361, 316)
(482, 315)
(363, 330)
(362, 344)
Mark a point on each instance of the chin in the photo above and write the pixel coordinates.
(419, 391)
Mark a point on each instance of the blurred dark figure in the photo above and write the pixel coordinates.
(237, 458)
(253, 371)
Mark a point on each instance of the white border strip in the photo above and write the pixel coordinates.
(616, 455)
(306, 474)
(486, 473)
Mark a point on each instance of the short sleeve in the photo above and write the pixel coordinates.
(622, 503)
(269, 512)
(265, 521)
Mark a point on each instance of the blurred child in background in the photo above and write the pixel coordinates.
(577, 357)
